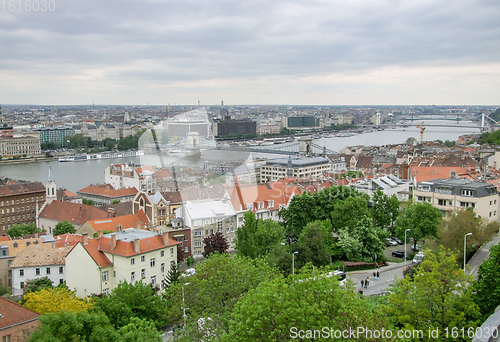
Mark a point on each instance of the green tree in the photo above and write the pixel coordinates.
(215, 243)
(139, 330)
(94, 235)
(315, 244)
(348, 213)
(172, 277)
(438, 296)
(133, 300)
(280, 257)
(68, 326)
(421, 218)
(87, 202)
(115, 201)
(453, 228)
(257, 237)
(189, 261)
(385, 209)
(17, 230)
(276, 310)
(37, 284)
(63, 227)
(487, 286)
(215, 288)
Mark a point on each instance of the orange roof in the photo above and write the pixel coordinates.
(162, 174)
(107, 190)
(72, 212)
(495, 182)
(16, 246)
(92, 247)
(14, 314)
(126, 221)
(126, 249)
(427, 173)
(5, 238)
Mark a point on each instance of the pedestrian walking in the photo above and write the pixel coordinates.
(374, 274)
(362, 283)
(367, 282)
(378, 275)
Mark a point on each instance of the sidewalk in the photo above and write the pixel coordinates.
(482, 255)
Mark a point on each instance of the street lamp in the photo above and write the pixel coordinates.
(406, 231)
(465, 249)
(293, 262)
(183, 305)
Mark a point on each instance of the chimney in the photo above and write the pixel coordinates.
(119, 228)
(138, 224)
(85, 238)
(155, 229)
(165, 238)
(111, 212)
(99, 233)
(149, 226)
(113, 241)
(137, 245)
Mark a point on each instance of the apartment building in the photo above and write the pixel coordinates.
(389, 185)
(56, 134)
(130, 176)
(97, 266)
(206, 217)
(19, 203)
(25, 146)
(459, 193)
(280, 168)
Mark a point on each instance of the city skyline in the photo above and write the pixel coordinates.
(284, 52)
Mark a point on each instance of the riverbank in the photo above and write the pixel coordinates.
(28, 160)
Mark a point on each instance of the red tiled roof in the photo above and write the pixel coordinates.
(106, 190)
(72, 212)
(126, 221)
(5, 238)
(126, 249)
(21, 188)
(162, 174)
(67, 240)
(13, 313)
(99, 257)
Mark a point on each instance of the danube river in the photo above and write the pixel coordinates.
(77, 175)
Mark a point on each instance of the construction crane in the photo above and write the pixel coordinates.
(422, 129)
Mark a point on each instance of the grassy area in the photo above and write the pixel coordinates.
(388, 252)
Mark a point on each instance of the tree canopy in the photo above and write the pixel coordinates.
(215, 243)
(17, 230)
(257, 237)
(487, 285)
(133, 300)
(63, 227)
(56, 299)
(385, 209)
(421, 218)
(277, 309)
(438, 296)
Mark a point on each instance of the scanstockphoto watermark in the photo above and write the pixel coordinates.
(27, 5)
(364, 332)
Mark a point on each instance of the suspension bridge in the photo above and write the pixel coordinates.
(304, 147)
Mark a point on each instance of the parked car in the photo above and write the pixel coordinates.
(188, 273)
(398, 254)
(415, 248)
(398, 240)
(390, 242)
(418, 258)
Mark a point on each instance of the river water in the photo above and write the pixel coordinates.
(77, 175)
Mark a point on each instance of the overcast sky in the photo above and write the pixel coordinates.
(338, 52)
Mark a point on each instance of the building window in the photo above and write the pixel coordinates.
(61, 281)
(21, 273)
(105, 275)
(37, 271)
(47, 270)
(152, 262)
(197, 232)
(186, 249)
(153, 280)
(132, 261)
(197, 243)
(143, 273)
(186, 238)
(105, 291)
(61, 269)
(172, 251)
(162, 267)
(468, 193)
(143, 258)
(132, 277)
(162, 254)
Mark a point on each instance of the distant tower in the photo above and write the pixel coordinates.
(51, 188)
(222, 102)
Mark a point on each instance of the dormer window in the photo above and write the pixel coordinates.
(468, 193)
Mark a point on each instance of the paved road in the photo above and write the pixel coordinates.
(377, 286)
(481, 255)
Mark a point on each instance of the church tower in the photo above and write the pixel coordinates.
(51, 189)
